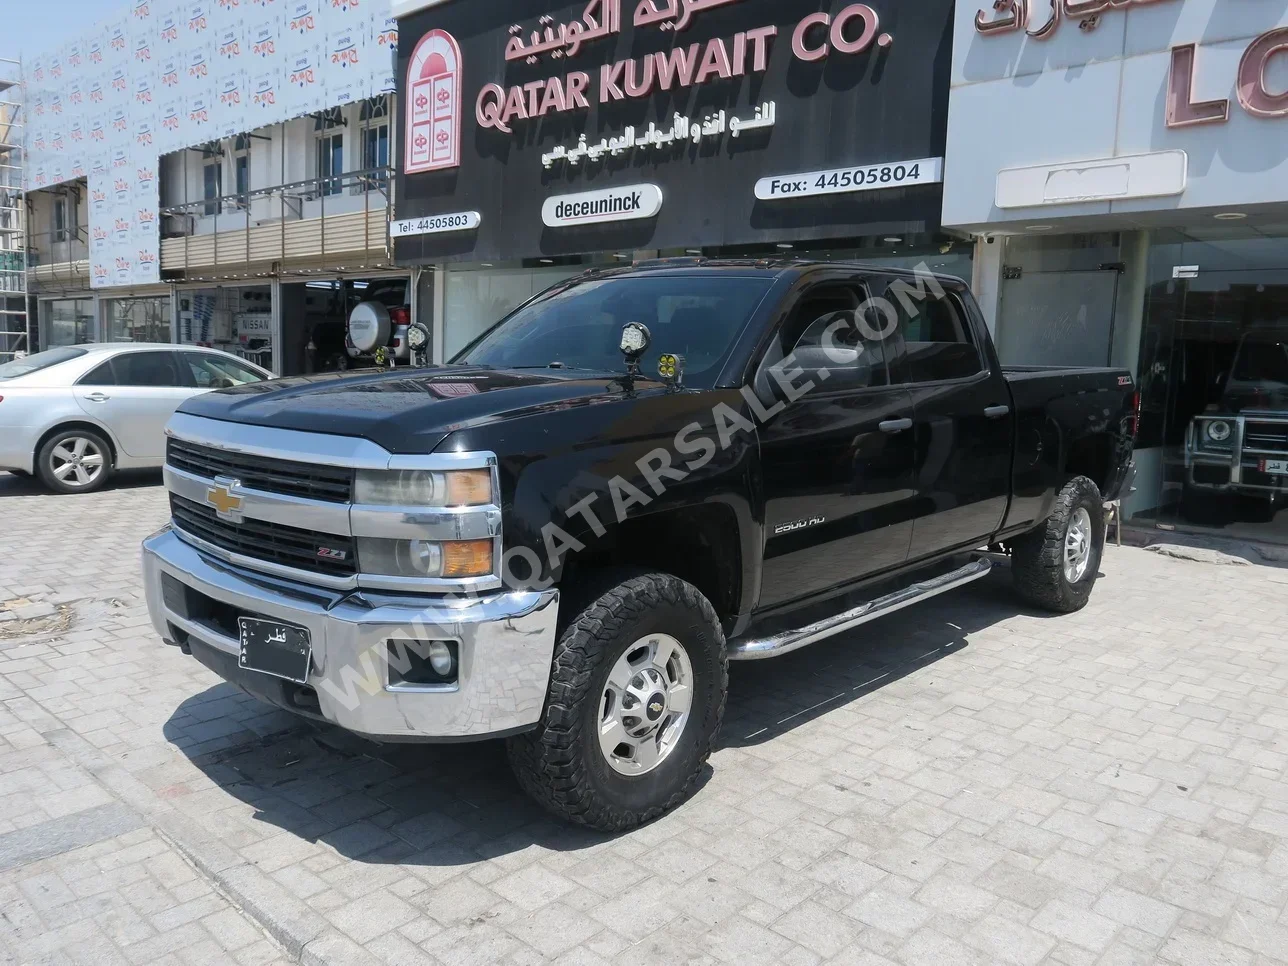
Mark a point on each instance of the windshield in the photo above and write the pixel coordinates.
(1262, 361)
(38, 361)
(579, 324)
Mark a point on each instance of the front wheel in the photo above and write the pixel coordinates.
(1056, 566)
(637, 693)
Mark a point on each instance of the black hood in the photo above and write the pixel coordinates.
(407, 410)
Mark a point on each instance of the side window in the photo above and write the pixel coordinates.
(148, 369)
(100, 375)
(939, 344)
(832, 338)
(215, 372)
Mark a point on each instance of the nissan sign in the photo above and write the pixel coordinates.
(611, 204)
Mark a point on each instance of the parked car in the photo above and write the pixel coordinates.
(542, 543)
(1239, 446)
(73, 415)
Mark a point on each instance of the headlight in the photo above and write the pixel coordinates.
(1218, 430)
(453, 559)
(420, 488)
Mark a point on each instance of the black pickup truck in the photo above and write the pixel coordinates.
(562, 537)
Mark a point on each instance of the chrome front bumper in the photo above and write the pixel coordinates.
(506, 644)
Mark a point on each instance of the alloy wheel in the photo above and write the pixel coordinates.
(77, 462)
(1078, 544)
(645, 705)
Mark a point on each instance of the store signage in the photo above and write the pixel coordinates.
(868, 177)
(434, 104)
(1254, 96)
(746, 52)
(435, 224)
(611, 204)
(683, 129)
(1040, 18)
(655, 119)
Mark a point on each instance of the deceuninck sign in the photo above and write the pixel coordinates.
(611, 204)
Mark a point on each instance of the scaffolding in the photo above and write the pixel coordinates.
(14, 337)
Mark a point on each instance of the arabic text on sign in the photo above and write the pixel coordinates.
(1040, 18)
(682, 130)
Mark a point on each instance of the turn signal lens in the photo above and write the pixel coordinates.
(469, 487)
(467, 558)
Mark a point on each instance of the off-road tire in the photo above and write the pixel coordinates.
(44, 462)
(560, 764)
(1037, 558)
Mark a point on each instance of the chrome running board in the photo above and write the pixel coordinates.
(787, 641)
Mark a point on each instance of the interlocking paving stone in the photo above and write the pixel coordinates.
(964, 782)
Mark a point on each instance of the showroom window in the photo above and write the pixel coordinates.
(69, 322)
(138, 320)
(1213, 445)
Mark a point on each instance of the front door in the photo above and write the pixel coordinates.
(134, 394)
(964, 423)
(838, 462)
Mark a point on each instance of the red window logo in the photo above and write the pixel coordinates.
(434, 104)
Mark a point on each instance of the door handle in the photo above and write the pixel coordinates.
(895, 425)
(997, 412)
(98, 397)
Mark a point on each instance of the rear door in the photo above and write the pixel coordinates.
(134, 394)
(962, 410)
(211, 370)
(837, 462)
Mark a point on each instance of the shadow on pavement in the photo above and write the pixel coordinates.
(14, 485)
(453, 804)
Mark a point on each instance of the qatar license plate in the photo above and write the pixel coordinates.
(270, 647)
(1275, 467)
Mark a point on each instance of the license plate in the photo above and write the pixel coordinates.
(270, 647)
(1275, 467)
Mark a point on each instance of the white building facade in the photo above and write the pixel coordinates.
(191, 164)
(1124, 167)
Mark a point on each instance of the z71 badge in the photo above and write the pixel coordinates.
(798, 525)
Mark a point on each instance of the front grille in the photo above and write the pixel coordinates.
(1266, 436)
(333, 484)
(285, 546)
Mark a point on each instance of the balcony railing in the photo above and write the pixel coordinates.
(58, 259)
(304, 222)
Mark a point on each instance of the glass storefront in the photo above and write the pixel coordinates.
(68, 322)
(138, 319)
(1058, 299)
(1213, 447)
(476, 297)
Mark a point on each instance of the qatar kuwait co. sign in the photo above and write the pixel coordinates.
(628, 203)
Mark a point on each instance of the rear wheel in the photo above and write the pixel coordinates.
(74, 461)
(637, 692)
(1056, 566)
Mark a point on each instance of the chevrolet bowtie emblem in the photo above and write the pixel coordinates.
(221, 497)
(656, 707)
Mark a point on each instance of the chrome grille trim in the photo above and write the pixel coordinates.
(326, 519)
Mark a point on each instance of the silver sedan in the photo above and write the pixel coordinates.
(73, 415)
